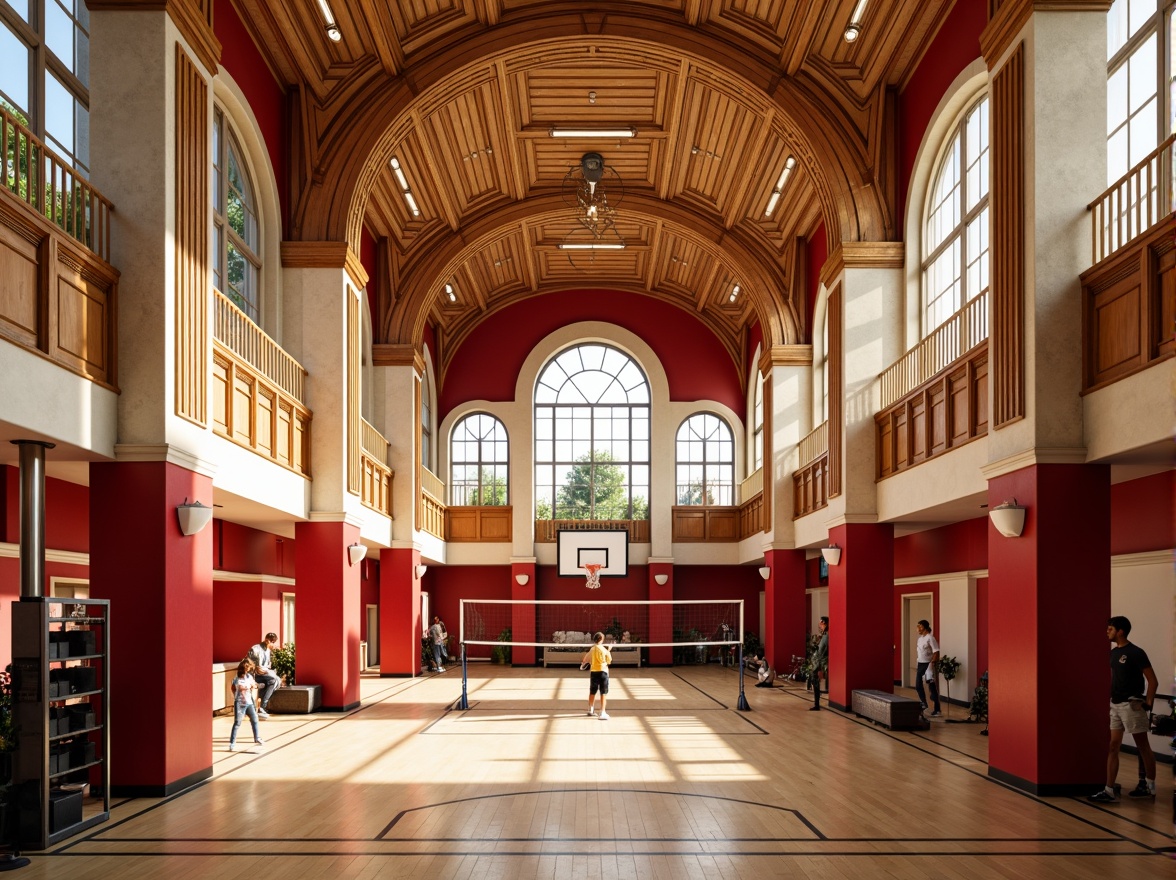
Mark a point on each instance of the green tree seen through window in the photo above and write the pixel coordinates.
(595, 489)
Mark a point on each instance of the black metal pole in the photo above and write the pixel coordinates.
(464, 702)
(742, 705)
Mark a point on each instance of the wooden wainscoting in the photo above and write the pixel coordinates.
(57, 298)
(751, 516)
(547, 529)
(694, 523)
(478, 524)
(948, 411)
(1129, 308)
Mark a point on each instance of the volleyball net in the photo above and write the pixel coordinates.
(694, 629)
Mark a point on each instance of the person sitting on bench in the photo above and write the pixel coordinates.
(267, 680)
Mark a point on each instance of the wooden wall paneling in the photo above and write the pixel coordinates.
(884, 426)
(836, 388)
(191, 245)
(722, 524)
(20, 268)
(917, 432)
(266, 422)
(979, 372)
(902, 441)
(222, 370)
(689, 524)
(241, 414)
(937, 418)
(495, 523)
(959, 406)
(1163, 325)
(1115, 321)
(284, 447)
(1008, 240)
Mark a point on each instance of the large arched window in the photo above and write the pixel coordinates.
(705, 461)
(236, 264)
(1139, 71)
(592, 436)
(955, 232)
(479, 462)
(45, 73)
(757, 423)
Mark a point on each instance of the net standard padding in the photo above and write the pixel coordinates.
(546, 623)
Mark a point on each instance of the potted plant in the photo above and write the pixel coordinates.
(948, 667)
(283, 660)
(501, 653)
(291, 697)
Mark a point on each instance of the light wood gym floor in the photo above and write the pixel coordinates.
(678, 784)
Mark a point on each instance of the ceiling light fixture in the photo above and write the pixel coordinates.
(449, 293)
(405, 190)
(592, 190)
(329, 20)
(583, 133)
(734, 293)
(774, 198)
(853, 30)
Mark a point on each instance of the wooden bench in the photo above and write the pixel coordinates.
(622, 656)
(890, 710)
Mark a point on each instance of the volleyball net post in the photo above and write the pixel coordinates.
(690, 630)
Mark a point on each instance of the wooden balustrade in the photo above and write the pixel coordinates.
(946, 412)
(57, 299)
(696, 523)
(1134, 203)
(49, 185)
(236, 332)
(752, 486)
(547, 529)
(432, 484)
(814, 444)
(751, 516)
(432, 516)
(1129, 308)
(479, 524)
(376, 478)
(949, 342)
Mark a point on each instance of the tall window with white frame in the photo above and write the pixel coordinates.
(757, 423)
(236, 264)
(45, 73)
(479, 456)
(426, 424)
(704, 452)
(1140, 77)
(955, 232)
(592, 412)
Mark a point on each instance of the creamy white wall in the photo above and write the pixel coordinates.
(1125, 416)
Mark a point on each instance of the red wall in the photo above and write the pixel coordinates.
(962, 546)
(1142, 514)
(265, 95)
(67, 512)
(251, 551)
(723, 582)
(956, 45)
(489, 360)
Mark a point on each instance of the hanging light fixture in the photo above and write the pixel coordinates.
(592, 190)
(853, 30)
(329, 21)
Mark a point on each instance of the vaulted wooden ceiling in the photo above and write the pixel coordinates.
(464, 92)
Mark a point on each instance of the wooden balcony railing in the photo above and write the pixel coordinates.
(752, 486)
(810, 481)
(547, 529)
(695, 523)
(236, 331)
(479, 524)
(814, 444)
(1134, 203)
(432, 508)
(50, 186)
(252, 404)
(949, 342)
(751, 516)
(376, 484)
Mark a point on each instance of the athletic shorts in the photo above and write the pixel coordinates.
(599, 683)
(1125, 717)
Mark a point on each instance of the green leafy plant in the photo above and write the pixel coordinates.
(978, 710)
(283, 660)
(501, 653)
(948, 667)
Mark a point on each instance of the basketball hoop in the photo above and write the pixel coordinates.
(593, 569)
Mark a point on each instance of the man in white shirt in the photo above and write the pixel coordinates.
(927, 655)
(267, 680)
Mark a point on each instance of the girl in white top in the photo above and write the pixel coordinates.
(244, 702)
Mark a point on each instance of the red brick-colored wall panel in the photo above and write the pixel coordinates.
(1143, 514)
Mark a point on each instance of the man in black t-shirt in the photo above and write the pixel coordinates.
(1130, 710)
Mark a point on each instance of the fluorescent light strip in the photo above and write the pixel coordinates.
(402, 181)
(854, 29)
(774, 198)
(734, 293)
(590, 247)
(449, 292)
(592, 132)
(329, 20)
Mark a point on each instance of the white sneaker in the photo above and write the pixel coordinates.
(262, 714)
(260, 743)
(591, 712)
(604, 716)
(232, 747)
(440, 668)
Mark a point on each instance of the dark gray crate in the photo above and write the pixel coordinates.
(890, 710)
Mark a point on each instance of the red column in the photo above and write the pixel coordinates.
(861, 612)
(327, 611)
(1048, 602)
(784, 606)
(661, 617)
(400, 614)
(159, 583)
(522, 617)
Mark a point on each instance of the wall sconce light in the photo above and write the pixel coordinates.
(356, 553)
(831, 555)
(660, 579)
(521, 579)
(765, 572)
(420, 571)
(193, 517)
(1009, 518)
